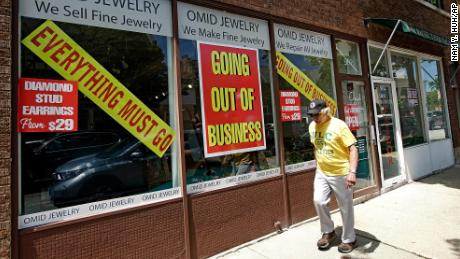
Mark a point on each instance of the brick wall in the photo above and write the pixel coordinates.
(5, 128)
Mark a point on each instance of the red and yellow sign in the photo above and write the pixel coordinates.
(47, 105)
(352, 116)
(231, 100)
(290, 106)
(295, 77)
(73, 63)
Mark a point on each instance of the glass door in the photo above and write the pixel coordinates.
(388, 132)
(355, 109)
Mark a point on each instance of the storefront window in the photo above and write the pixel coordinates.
(437, 124)
(382, 69)
(304, 61)
(348, 58)
(102, 164)
(355, 107)
(227, 99)
(410, 108)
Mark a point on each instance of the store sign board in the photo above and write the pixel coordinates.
(297, 41)
(352, 115)
(46, 105)
(73, 63)
(145, 16)
(301, 82)
(95, 208)
(290, 106)
(204, 24)
(232, 181)
(231, 100)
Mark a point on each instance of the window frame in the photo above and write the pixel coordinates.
(358, 53)
(419, 56)
(443, 97)
(21, 213)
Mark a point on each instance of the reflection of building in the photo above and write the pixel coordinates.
(218, 210)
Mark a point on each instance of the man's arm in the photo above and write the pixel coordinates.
(351, 177)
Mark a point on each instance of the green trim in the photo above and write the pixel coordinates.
(410, 29)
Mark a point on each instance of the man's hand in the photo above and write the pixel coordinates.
(350, 180)
(351, 177)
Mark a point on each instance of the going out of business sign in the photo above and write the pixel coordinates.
(231, 100)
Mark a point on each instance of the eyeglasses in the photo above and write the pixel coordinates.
(314, 115)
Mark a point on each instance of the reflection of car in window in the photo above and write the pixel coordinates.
(435, 120)
(124, 168)
(42, 157)
(198, 168)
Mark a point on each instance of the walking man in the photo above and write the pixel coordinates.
(336, 161)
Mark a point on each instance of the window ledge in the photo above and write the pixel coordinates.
(434, 8)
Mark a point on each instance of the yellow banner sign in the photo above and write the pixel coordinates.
(73, 63)
(294, 76)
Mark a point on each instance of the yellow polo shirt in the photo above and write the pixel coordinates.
(332, 140)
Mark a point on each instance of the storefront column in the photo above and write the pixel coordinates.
(179, 135)
(279, 137)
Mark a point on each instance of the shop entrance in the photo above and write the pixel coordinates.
(388, 132)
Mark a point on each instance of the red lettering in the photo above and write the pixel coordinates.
(100, 86)
(166, 142)
(42, 35)
(60, 51)
(94, 80)
(80, 65)
(141, 127)
(115, 99)
(154, 124)
(52, 44)
(126, 111)
(108, 91)
(71, 58)
(156, 140)
(137, 115)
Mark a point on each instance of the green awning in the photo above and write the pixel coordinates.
(410, 29)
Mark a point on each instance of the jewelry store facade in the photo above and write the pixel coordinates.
(178, 129)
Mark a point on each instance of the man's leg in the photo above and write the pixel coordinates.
(321, 198)
(344, 197)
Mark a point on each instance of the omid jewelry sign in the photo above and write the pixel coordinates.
(73, 63)
(231, 100)
(47, 105)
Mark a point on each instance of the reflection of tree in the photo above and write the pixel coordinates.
(434, 85)
(135, 59)
(405, 73)
(322, 75)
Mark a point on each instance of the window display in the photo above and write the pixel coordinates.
(227, 98)
(409, 104)
(431, 78)
(120, 152)
(348, 58)
(304, 63)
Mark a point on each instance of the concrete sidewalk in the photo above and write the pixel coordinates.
(417, 220)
